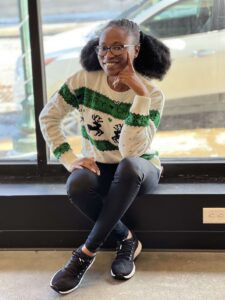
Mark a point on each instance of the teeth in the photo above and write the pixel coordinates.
(110, 64)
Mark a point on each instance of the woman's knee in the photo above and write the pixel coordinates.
(80, 182)
(129, 168)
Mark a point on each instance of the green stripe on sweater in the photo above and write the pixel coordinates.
(68, 96)
(155, 117)
(140, 120)
(117, 110)
(149, 156)
(61, 149)
(137, 120)
(97, 101)
(100, 145)
(87, 97)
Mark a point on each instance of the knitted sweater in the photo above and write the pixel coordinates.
(114, 125)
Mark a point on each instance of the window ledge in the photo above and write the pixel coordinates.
(41, 189)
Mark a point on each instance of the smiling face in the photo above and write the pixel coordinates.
(111, 64)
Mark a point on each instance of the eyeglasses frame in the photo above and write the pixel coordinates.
(109, 49)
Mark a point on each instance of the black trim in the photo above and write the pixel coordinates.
(173, 171)
(189, 170)
(37, 55)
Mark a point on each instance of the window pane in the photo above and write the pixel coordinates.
(17, 127)
(192, 124)
(193, 120)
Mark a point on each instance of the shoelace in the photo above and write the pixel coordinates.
(125, 249)
(76, 264)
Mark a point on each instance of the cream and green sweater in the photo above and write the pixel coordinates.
(113, 124)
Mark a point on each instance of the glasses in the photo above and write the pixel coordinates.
(114, 49)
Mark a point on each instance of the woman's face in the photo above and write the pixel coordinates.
(114, 64)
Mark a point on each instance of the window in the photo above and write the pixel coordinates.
(191, 136)
(17, 125)
(192, 123)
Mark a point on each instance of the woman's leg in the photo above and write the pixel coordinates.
(132, 175)
(86, 191)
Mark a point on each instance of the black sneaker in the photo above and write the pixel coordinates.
(123, 266)
(69, 277)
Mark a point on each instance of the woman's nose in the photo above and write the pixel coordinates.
(109, 54)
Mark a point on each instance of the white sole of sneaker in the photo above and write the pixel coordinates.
(136, 253)
(73, 289)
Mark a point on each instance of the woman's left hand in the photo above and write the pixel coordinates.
(129, 77)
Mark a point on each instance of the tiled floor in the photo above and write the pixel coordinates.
(25, 275)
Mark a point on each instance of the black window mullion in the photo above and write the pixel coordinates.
(37, 55)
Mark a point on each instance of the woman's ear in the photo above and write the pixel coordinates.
(137, 50)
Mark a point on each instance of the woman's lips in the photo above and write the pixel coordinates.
(111, 65)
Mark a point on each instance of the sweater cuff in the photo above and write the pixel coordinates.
(141, 105)
(67, 159)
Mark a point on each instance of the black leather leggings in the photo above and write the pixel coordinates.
(104, 199)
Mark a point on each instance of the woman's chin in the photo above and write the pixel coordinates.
(109, 72)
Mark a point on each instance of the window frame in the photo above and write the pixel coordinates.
(175, 170)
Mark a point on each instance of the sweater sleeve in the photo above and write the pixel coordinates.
(63, 102)
(141, 124)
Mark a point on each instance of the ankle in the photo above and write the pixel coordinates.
(129, 236)
(87, 252)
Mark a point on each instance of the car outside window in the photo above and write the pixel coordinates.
(183, 18)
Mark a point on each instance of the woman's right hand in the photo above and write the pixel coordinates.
(86, 162)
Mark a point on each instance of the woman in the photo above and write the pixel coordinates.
(120, 111)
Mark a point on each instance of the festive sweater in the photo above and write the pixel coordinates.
(114, 125)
